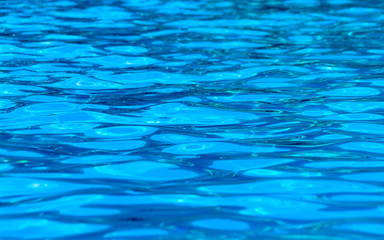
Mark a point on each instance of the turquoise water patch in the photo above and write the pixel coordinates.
(128, 132)
(178, 138)
(332, 137)
(358, 198)
(59, 128)
(21, 153)
(222, 224)
(250, 98)
(345, 164)
(145, 171)
(292, 187)
(63, 37)
(351, 92)
(354, 116)
(112, 145)
(113, 61)
(317, 113)
(371, 228)
(359, 11)
(177, 113)
(245, 164)
(222, 45)
(85, 83)
(5, 167)
(366, 128)
(365, 177)
(5, 103)
(32, 186)
(38, 228)
(67, 205)
(372, 147)
(268, 173)
(53, 108)
(312, 214)
(146, 232)
(355, 107)
(12, 90)
(97, 159)
(127, 49)
(87, 211)
(273, 85)
(216, 147)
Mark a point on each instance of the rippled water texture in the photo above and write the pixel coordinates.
(161, 119)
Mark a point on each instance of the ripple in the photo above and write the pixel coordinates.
(356, 106)
(5, 103)
(97, 159)
(117, 61)
(371, 228)
(365, 177)
(147, 232)
(87, 211)
(215, 147)
(177, 138)
(267, 173)
(5, 167)
(31, 186)
(9, 90)
(177, 113)
(146, 171)
(222, 45)
(221, 224)
(354, 116)
(84, 83)
(51, 107)
(368, 128)
(293, 187)
(245, 164)
(250, 98)
(345, 164)
(372, 147)
(128, 132)
(38, 228)
(351, 92)
(113, 145)
(127, 49)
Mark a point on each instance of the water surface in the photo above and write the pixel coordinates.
(163, 119)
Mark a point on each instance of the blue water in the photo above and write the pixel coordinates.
(161, 119)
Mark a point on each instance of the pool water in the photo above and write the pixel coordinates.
(161, 119)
